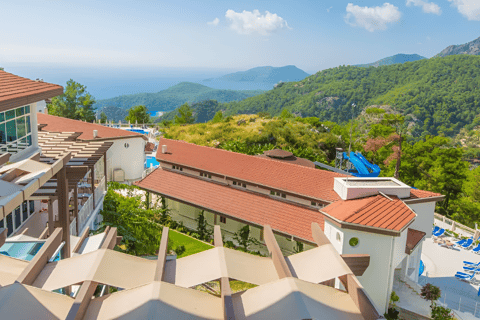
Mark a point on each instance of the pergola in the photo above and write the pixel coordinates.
(299, 286)
(84, 156)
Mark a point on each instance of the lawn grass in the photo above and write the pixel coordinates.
(192, 245)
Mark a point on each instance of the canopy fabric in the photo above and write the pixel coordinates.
(292, 298)
(10, 269)
(156, 300)
(318, 264)
(18, 301)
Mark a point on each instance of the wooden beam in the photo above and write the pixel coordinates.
(51, 223)
(217, 236)
(110, 239)
(44, 234)
(277, 256)
(318, 235)
(75, 208)
(360, 297)
(63, 209)
(162, 256)
(81, 240)
(3, 235)
(4, 158)
(93, 185)
(35, 266)
(82, 300)
(358, 263)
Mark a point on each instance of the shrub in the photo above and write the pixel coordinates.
(229, 244)
(179, 250)
(441, 313)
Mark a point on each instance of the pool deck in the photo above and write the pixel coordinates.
(441, 264)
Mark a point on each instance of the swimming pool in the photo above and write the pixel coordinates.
(138, 131)
(151, 161)
(23, 250)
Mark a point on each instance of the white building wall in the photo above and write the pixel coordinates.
(131, 160)
(378, 278)
(425, 217)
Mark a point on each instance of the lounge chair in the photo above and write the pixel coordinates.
(467, 244)
(476, 249)
(471, 264)
(466, 277)
(471, 269)
(435, 230)
(439, 233)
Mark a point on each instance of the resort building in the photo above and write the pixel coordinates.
(126, 157)
(380, 217)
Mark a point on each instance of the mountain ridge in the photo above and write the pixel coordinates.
(398, 58)
(265, 74)
(469, 48)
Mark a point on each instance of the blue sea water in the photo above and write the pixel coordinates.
(109, 82)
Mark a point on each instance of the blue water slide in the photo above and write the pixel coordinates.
(362, 166)
(373, 168)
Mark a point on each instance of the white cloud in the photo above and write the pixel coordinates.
(248, 22)
(214, 22)
(427, 7)
(328, 10)
(372, 18)
(469, 8)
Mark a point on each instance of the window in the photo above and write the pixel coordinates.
(15, 130)
(206, 175)
(24, 211)
(32, 207)
(244, 185)
(126, 145)
(18, 218)
(223, 220)
(313, 203)
(2, 224)
(272, 193)
(177, 168)
(339, 237)
(278, 194)
(353, 242)
(9, 224)
(284, 195)
(234, 183)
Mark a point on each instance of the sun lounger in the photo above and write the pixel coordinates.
(439, 233)
(465, 277)
(467, 243)
(435, 230)
(476, 249)
(471, 264)
(471, 269)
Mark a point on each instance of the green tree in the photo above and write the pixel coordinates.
(243, 238)
(431, 293)
(203, 229)
(442, 313)
(75, 103)
(103, 117)
(185, 115)
(138, 114)
(218, 117)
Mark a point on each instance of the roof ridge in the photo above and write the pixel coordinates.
(247, 155)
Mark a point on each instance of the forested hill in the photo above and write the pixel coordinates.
(175, 96)
(265, 75)
(398, 58)
(439, 95)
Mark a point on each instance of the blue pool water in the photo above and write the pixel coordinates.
(421, 269)
(138, 131)
(22, 250)
(151, 161)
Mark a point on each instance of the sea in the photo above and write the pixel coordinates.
(109, 82)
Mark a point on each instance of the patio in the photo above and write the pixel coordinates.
(441, 264)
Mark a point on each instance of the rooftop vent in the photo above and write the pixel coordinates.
(354, 188)
(95, 133)
(164, 148)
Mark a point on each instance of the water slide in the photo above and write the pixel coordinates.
(362, 166)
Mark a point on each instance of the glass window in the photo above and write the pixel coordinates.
(2, 116)
(32, 207)
(2, 224)
(21, 130)
(11, 131)
(27, 124)
(24, 211)
(20, 111)
(29, 140)
(10, 114)
(18, 218)
(9, 224)
(27, 109)
(3, 137)
(22, 144)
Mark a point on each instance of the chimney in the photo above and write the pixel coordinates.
(164, 148)
(95, 133)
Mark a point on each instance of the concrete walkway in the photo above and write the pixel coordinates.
(441, 264)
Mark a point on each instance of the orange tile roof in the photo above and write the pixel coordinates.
(16, 91)
(376, 211)
(59, 124)
(420, 194)
(149, 147)
(258, 209)
(309, 182)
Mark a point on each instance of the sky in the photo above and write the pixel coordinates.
(229, 35)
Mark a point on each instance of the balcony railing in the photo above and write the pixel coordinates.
(73, 227)
(85, 212)
(100, 191)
